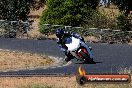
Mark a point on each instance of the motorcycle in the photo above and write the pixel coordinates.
(79, 49)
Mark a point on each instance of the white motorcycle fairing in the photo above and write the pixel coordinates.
(74, 44)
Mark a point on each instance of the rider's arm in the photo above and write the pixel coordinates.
(62, 45)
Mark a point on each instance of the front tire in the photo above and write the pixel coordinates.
(84, 54)
(87, 58)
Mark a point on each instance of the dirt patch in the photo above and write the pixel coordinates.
(91, 39)
(22, 82)
(110, 13)
(52, 82)
(130, 43)
(34, 34)
(20, 60)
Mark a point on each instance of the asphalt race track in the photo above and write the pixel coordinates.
(109, 58)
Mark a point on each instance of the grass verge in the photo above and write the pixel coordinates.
(52, 82)
(19, 60)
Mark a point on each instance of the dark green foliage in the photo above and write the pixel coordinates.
(124, 5)
(68, 12)
(96, 20)
(18, 9)
(123, 23)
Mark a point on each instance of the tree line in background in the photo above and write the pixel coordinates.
(66, 12)
(84, 13)
(14, 10)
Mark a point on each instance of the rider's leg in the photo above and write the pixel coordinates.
(68, 56)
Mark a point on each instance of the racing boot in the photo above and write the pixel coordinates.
(67, 59)
(68, 56)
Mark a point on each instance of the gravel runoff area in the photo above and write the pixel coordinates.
(52, 82)
(10, 60)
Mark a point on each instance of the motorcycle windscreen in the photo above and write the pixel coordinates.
(72, 43)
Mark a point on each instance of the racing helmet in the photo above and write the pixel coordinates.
(59, 33)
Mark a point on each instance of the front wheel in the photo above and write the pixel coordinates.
(86, 57)
(82, 53)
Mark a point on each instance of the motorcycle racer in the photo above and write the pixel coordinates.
(61, 40)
